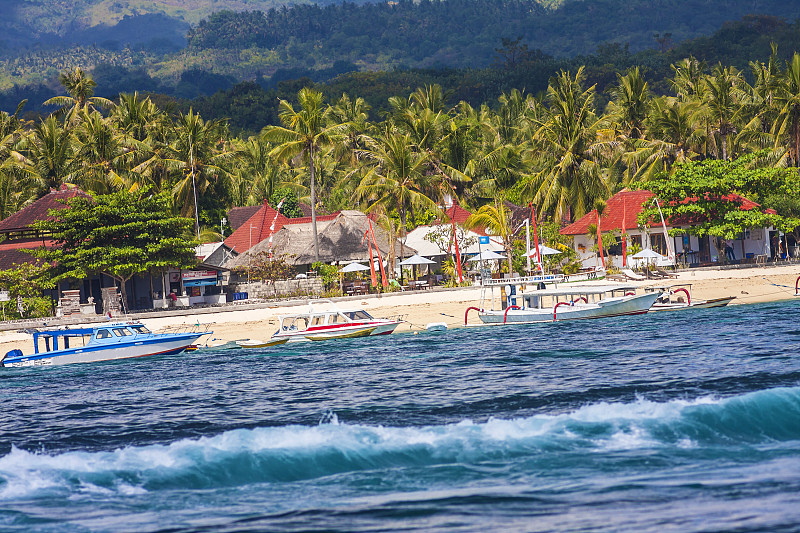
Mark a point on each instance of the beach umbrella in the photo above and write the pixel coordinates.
(544, 250)
(354, 267)
(417, 259)
(486, 256)
(647, 254)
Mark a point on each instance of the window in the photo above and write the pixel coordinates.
(658, 243)
(103, 334)
(141, 330)
(121, 332)
(636, 240)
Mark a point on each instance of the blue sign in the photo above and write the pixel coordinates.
(483, 240)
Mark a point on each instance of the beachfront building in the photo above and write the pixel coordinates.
(622, 210)
(98, 294)
(342, 238)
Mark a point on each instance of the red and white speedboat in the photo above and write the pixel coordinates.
(332, 323)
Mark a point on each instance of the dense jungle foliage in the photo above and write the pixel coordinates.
(563, 151)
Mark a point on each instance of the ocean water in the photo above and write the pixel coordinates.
(683, 421)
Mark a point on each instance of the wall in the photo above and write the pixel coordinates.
(279, 289)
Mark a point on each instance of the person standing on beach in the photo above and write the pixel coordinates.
(729, 250)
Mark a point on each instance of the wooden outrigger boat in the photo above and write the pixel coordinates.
(679, 296)
(522, 305)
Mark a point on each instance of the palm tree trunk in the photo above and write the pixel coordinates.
(402, 240)
(313, 203)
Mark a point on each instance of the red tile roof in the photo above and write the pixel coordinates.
(629, 204)
(261, 225)
(14, 253)
(38, 210)
(239, 215)
(460, 215)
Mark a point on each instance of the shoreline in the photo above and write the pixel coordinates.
(419, 308)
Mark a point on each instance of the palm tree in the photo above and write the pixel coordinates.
(200, 153)
(570, 174)
(788, 100)
(80, 87)
(672, 137)
(497, 220)
(303, 133)
(14, 189)
(49, 156)
(352, 113)
(99, 148)
(722, 107)
(256, 176)
(396, 179)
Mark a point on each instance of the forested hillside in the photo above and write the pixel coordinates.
(476, 48)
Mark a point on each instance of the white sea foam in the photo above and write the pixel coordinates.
(311, 451)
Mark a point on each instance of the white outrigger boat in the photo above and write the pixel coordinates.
(679, 296)
(121, 340)
(332, 323)
(518, 305)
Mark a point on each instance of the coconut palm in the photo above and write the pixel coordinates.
(303, 133)
(722, 97)
(199, 152)
(49, 156)
(397, 178)
(14, 188)
(497, 220)
(787, 124)
(569, 175)
(80, 87)
(99, 148)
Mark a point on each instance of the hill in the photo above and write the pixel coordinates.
(528, 40)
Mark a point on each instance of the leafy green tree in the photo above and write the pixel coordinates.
(700, 193)
(290, 206)
(120, 235)
(24, 284)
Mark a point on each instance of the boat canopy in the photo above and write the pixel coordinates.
(55, 334)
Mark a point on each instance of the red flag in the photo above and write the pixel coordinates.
(384, 281)
(371, 260)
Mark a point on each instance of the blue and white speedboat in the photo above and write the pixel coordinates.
(121, 340)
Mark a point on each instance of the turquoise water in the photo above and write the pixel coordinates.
(684, 421)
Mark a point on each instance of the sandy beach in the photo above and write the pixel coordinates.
(748, 285)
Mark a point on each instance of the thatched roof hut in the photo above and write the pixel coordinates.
(340, 239)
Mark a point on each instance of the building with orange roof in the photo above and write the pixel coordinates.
(262, 223)
(622, 211)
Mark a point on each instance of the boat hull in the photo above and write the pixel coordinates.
(261, 344)
(610, 307)
(340, 331)
(176, 343)
(699, 304)
(341, 335)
